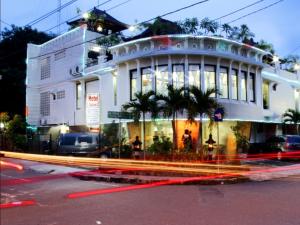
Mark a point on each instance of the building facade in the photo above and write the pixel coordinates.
(80, 85)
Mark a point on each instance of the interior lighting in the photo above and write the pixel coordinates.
(297, 66)
(99, 29)
(132, 28)
(275, 59)
(86, 15)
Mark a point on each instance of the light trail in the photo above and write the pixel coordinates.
(169, 182)
(12, 165)
(17, 204)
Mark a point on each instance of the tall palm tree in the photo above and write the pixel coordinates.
(172, 104)
(245, 33)
(143, 103)
(292, 116)
(209, 26)
(227, 29)
(200, 104)
(264, 45)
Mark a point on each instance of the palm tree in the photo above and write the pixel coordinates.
(245, 33)
(234, 33)
(262, 44)
(143, 103)
(292, 116)
(200, 104)
(171, 104)
(209, 25)
(227, 29)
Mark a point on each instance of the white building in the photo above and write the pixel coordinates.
(66, 86)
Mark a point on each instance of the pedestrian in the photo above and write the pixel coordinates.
(187, 140)
(136, 146)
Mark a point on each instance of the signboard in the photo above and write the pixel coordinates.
(119, 115)
(218, 115)
(92, 109)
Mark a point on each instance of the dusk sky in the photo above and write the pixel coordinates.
(278, 24)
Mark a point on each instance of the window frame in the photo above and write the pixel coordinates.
(227, 72)
(130, 83)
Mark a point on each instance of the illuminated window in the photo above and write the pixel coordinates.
(194, 75)
(133, 84)
(78, 95)
(234, 84)
(162, 79)
(252, 87)
(223, 82)
(266, 95)
(244, 86)
(210, 78)
(178, 76)
(146, 80)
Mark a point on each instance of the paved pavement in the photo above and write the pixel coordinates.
(274, 202)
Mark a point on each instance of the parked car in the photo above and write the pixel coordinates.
(83, 144)
(281, 146)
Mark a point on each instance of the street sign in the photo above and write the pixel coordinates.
(119, 115)
(218, 115)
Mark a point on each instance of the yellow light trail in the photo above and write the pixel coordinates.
(179, 167)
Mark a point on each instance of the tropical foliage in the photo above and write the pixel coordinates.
(292, 116)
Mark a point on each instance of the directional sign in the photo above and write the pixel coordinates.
(119, 115)
(218, 115)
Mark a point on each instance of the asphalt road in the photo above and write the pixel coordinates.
(255, 203)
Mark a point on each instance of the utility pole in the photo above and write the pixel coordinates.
(58, 16)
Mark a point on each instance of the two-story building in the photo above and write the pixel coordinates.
(71, 81)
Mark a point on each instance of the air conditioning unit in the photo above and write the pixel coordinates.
(43, 122)
(75, 71)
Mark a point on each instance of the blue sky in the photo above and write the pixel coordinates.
(279, 24)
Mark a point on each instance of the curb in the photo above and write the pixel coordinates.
(151, 179)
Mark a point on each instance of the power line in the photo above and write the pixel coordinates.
(146, 21)
(41, 18)
(74, 17)
(116, 6)
(256, 11)
(233, 12)
(2, 21)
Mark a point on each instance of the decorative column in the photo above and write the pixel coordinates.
(186, 71)
(139, 76)
(153, 74)
(218, 76)
(170, 70)
(230, 79)
(239, 81)
(202, 69)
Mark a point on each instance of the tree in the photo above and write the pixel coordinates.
(290, 61)
(262, 44)
(189, 26)
(226, 28)
(292, 116)
(13, 50)
(171, 104)
(234, 33)
(245, 33)
(209, 26)
(143, 104)
(16, 130)
(200, 104)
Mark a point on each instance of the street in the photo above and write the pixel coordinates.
(270, 202)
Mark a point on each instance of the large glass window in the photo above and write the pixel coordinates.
(223, 82)
(266, 95)
(244, 86)
(178, 76)
(234, 84)
(146, 80)
(210, 78)
(252, 87)
(194, 76)
(162, 79)
(133, 84)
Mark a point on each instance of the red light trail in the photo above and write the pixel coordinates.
(12, 165)
(17, 204)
